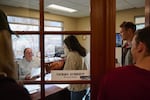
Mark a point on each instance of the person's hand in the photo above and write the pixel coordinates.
(35, 77)
(28, 77)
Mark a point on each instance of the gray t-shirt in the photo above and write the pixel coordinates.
(26, 67)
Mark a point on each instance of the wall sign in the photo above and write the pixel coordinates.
(59, 75)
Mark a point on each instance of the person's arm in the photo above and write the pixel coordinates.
(22, 74)
(70, 63)
(56, 65)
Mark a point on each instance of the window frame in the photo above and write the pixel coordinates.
(139, 23)
(41, 33)
(10, 18)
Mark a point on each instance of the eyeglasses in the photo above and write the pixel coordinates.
(28, 52)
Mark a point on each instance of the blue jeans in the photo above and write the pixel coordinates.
(77, 95)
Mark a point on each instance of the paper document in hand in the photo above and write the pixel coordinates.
(32, 88)
(35, 72)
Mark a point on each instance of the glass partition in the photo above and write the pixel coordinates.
(55, 55)
(22, 56)
(23, 15)
(24, 19)
(25, 41)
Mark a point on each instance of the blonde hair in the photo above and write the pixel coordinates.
(7, 64)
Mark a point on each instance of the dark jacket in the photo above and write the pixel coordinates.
(10, 90)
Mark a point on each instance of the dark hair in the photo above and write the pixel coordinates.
(25, 51)
(128, 25)
(73, 45)
(4, 25)
(143, 35)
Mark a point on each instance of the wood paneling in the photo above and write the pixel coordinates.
(103, 40)
(42, 47)
(147, 12)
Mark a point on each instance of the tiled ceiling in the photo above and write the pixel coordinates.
(127, 4)
(83, 6)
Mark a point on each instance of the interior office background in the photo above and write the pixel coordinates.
(29, 13)
(78, 24)
(69, 23)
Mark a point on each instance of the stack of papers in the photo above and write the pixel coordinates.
(32, 88)
(35, 72)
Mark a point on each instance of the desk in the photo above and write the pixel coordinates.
(52, 92)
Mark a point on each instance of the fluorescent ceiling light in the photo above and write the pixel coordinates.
(62, 8)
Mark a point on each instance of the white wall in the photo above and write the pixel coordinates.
(118, 54)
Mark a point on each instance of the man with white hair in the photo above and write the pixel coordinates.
(29, 66)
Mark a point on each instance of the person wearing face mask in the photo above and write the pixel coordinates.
(27, 65)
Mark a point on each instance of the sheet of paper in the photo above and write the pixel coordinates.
(35, 72)
(32, 88)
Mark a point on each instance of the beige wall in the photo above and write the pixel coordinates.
(128, 15)
(69, 22)
(75, 24)
(78, 24)
(83, 24)
(85, 41)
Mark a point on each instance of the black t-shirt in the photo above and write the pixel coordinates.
(11, 90)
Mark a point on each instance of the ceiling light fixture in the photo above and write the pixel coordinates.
(62, 8)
